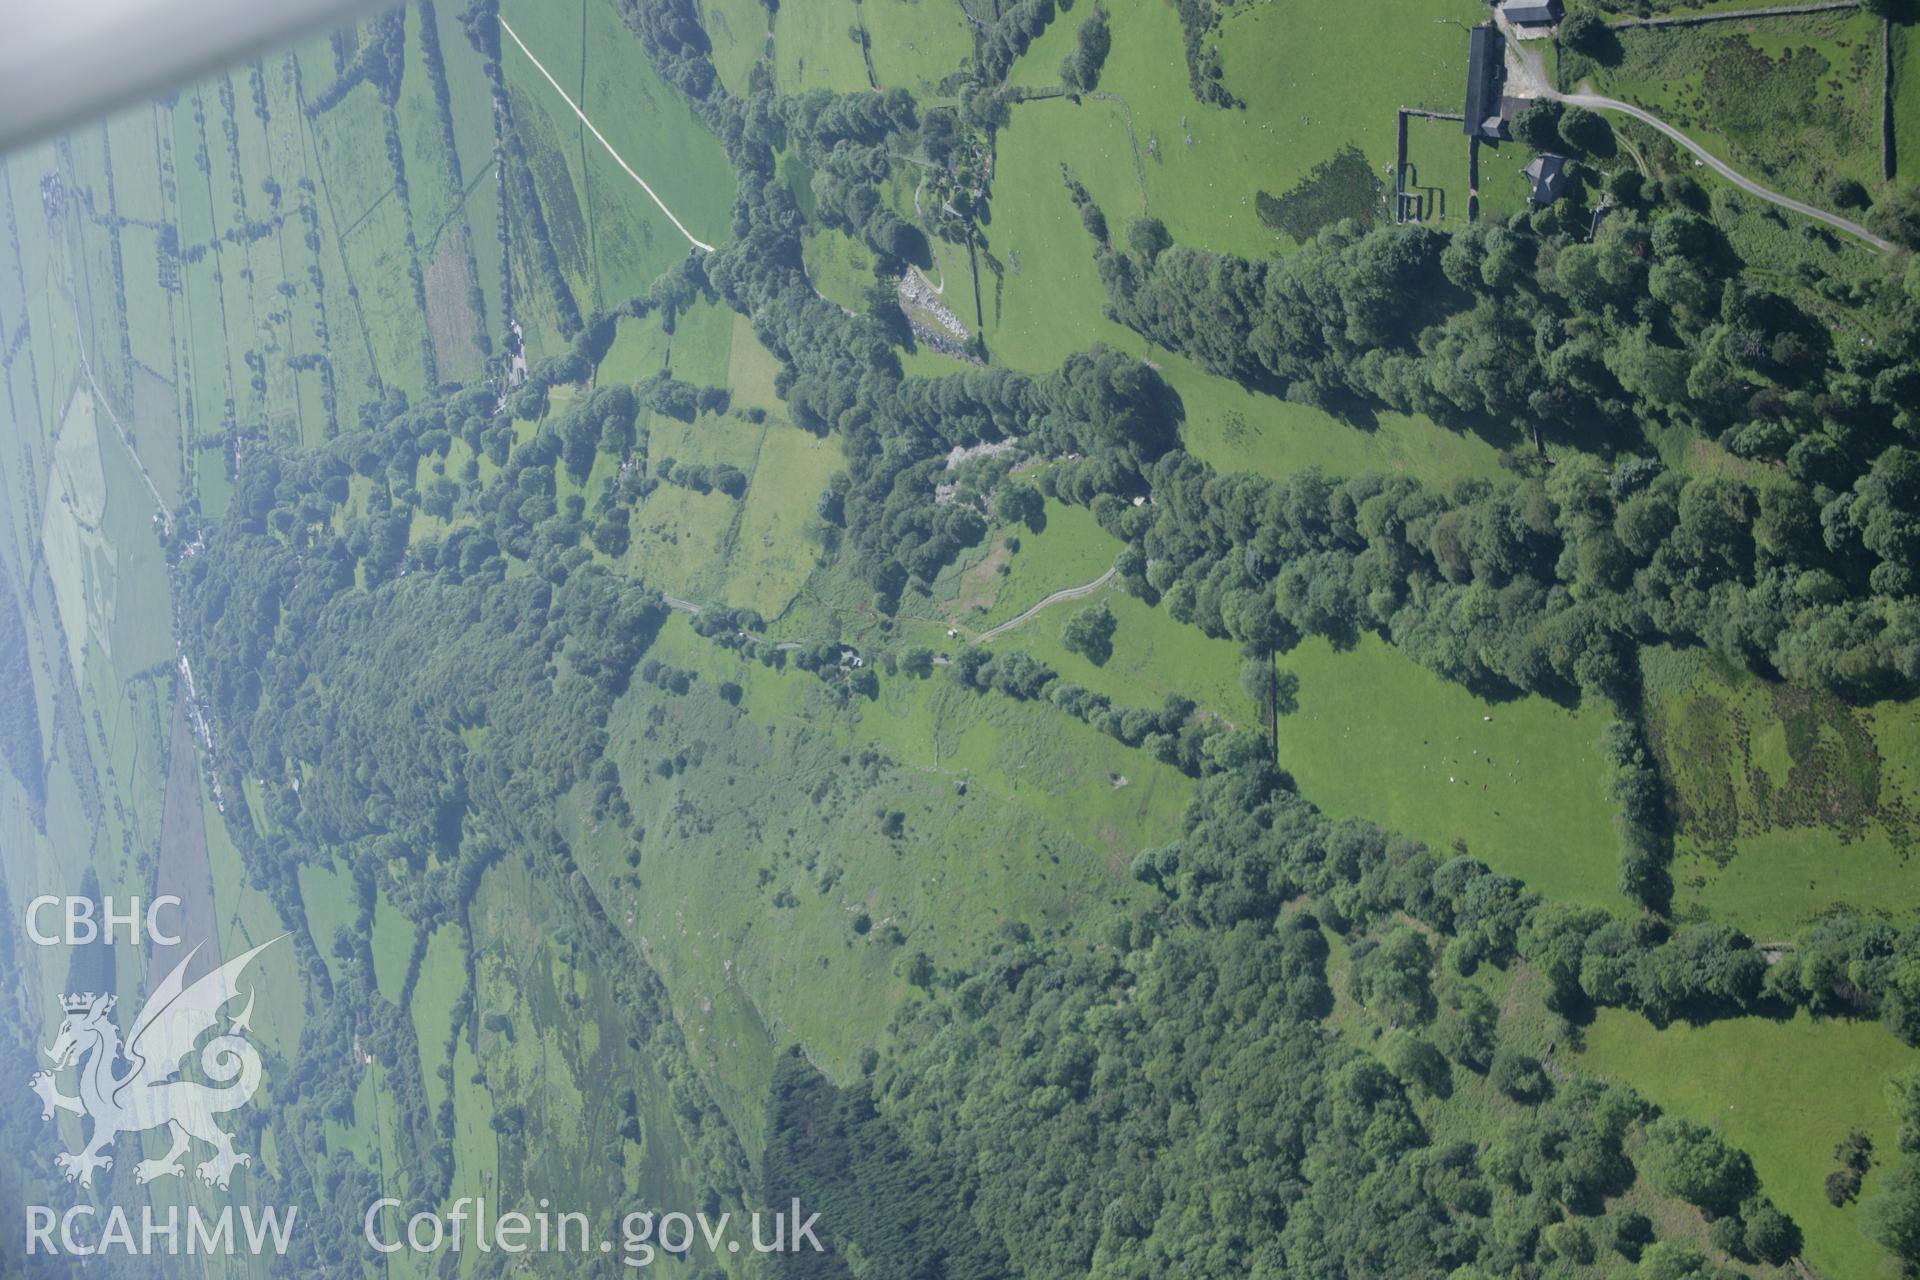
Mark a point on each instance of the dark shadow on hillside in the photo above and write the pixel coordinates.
(907, 1211)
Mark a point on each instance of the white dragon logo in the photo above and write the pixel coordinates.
(148, 1095)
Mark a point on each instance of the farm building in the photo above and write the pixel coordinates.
(1548, 174)
(1532, 13)
(1486, 69)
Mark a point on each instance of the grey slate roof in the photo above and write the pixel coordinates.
(1532, 12)
(1486, 67)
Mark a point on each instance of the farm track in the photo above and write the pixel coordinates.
(1058, 597)
(126, 436)
(693, 240)
(1524, 65)
(1594, 102)
(688, 606)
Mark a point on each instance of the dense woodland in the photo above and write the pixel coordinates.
(1807, 574)
(1174, 1100)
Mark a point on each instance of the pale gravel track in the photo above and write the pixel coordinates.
(1595, 102)
(1058, 597)
(693, 240)
(1525, 67)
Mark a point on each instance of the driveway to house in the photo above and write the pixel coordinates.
(1527, 77)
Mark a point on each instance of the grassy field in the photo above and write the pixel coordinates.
(1313, 83)
(326, 895)
(357, 176)
(1906, 100)
(1070, 548)
(1788, 803)
(1240, 430)
(138, 183)
(1048, 303)
(775, 551)
(752, 370)
(1520, 783)
(1784, 1092)
(552, 1035)
(814, 47)
(625, 241)
(738, 30)
(916, 44)
(702, 347)
(150, 345)
(78, 562)
(392, 943)
(139, 639)
(1437, 171)
(378, 258)
(639, 350)
(246, 919)
(681, 539)
(469, 100)
(443, 976)
(432, 190)
(840, 267)
(1153, 656)
(748, 901)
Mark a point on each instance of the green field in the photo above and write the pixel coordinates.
(1437, 171)
(638, 351)
(1906, 100)
(1377, 736)
(326, 894)
(815, 48)
(757, 955)
(1235, 429)
(702, 347)
(776, 548)
(1785, 1092)
(1788, 804)
(626, 240)
(1069, 549)
(1048, 302)
(916, 44)
(738, 30)
(1311, 88)
(840, 267)
(443, 976)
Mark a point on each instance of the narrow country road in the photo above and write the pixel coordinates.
(1594, 102)
(1058, 597)
(699, 244)
(1527, 76)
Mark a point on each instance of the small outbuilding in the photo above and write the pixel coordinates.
(1532, 13)
(1548, 173)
